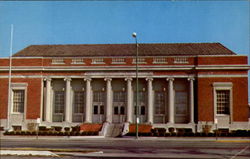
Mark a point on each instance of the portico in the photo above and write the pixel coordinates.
(99, 100)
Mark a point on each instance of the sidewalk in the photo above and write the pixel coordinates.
(218, 139)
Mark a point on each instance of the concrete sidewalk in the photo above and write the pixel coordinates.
(218, 139)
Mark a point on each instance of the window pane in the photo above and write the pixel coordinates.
(115, 110)
(160, 102)
(95, 109)
(143, 112)
(59, 102)
(223, 101)
(101, 109)
(78, 101)
(18, 101)
(122, 112)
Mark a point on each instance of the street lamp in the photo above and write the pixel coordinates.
(136, 103)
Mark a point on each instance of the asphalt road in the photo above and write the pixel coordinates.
(130, 148)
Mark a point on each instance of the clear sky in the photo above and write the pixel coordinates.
(86, 22)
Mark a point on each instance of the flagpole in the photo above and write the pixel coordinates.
(9, 87)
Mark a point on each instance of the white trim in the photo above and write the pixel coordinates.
(20, 76)
(223, 86)
(223, 75)
(19, 86)
(222, 67)
(122, 75)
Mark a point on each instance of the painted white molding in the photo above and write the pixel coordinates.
(223, 75)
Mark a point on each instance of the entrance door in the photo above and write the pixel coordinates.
(119, 107)
(98, 106)
(142, 112)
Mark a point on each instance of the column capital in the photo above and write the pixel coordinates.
(128, 79)
(170, 79)
(149, 79)
(108, 79)
(190, 79)
(67, 79)
(87, 79)
(47, 79)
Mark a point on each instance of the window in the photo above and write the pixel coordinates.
(143, 110)
(141, 96)
(159, 102)
(180, 60)
(77, 61)
(159, 60)
(98, 109)
(95, 109)
(223, 101)
(122, 110)
(116, 110)
(102, 109)
(78, 101)
(59, 102)
(99, 96)
(119, 96)
(118, 61)
(58, 61)
(98, 61)
(18, 101)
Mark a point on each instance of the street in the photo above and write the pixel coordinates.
(131, 148)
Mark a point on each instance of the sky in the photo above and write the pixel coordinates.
(106, 22)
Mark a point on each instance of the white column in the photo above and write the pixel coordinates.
(48, 108)
(108, 100)
(170, 101)
(129, 100)
(88, 106)
(150, 100)
(68, 108)
(191, 99)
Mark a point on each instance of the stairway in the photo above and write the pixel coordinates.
(114, 130)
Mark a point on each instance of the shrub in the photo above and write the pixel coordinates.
(76, 128)
(57, 128)
(42, 128)
(171, 129)
(180, 132)
(67, 133)
(67, 129)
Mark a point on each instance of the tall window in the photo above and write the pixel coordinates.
(159, 102)
(18, 101)
(223, 101)
(59, 102)
(78, 101)
(119, 96)
(99, 96)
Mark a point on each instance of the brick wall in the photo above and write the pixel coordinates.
(33, 97)
(206, 98)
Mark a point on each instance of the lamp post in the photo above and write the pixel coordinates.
(137, 86)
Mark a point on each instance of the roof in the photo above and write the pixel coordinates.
(156, 49)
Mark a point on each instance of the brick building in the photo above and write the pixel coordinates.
(180, 85)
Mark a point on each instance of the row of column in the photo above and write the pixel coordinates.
(88, 112)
